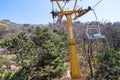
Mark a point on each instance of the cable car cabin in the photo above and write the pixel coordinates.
(93, 31)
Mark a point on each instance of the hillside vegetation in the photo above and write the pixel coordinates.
(34, 52)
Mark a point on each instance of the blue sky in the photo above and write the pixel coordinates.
(38, 11)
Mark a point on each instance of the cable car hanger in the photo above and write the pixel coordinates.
(94, 26)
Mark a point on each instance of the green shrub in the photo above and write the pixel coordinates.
(109, 65)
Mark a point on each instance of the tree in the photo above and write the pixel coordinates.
(21, 47)
(109, 65)
(51, 54)
(44, 64)
(112, 32)
(50, 63)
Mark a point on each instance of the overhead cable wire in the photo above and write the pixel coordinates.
(96, 4)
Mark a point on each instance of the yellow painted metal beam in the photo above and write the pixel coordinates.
(74, 62)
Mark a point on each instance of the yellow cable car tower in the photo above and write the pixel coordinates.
(74, 63)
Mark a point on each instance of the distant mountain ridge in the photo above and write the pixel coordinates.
(10, 23)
